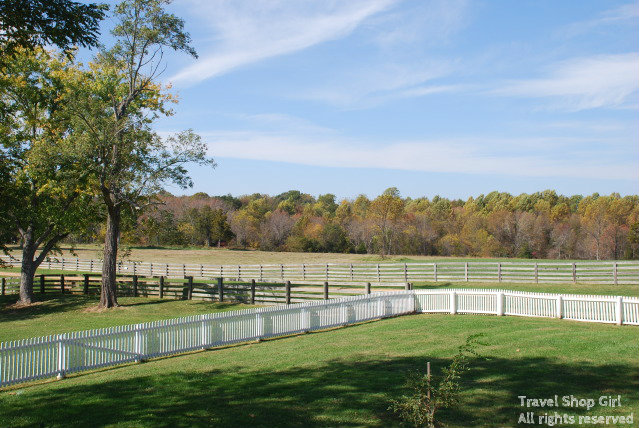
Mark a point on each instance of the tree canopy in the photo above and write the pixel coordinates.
(63, 23)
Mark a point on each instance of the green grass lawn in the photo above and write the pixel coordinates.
(343, 377)
(57, 313)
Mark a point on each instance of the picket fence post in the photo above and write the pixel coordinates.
(453, 302)
(62, 351)
(619, 310)
(500, 303)
(559, 307)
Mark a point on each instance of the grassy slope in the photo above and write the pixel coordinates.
(345, 377)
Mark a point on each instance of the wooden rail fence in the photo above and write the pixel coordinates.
(212, 289)
(547, 272)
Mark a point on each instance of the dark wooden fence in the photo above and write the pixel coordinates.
(214, 289)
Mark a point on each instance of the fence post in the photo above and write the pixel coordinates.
(4, 285)
(344, 310)
(466, 271)
(574, 273)
(379, 278)
(351, 271)
(42, 282)
(61, 367)
(86, 284)
(189, 292)
(405, 273)
(619, 308)
(559, 309)
(407, 286)
(259, 325)
(453, 302)
(435, 271)
(204, 332)
(614, 272)
(135, 284)
(368, 288)
(220, 288)
(139, 346)
(252, 292)
(325, 290)
(327, 271)
(62, 284)
(500, 303)
(161, 287)
(498, 272)
(536, 273)
(288, 292)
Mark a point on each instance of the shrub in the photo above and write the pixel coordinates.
(426, 397)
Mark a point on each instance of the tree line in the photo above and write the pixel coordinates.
(538, 225)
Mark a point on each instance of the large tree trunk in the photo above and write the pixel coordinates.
(108, 294)
(27, 271)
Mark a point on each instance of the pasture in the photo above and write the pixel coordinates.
(341, 377)
(224, 256)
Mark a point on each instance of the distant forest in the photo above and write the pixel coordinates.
(538, 225)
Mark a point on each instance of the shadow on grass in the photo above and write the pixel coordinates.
(56, 303)
(45, 304)
(343, 393)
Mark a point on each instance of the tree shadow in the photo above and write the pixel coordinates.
(345, 393)
(44, 304)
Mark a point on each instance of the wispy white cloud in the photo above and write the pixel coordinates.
(371, 85)
(247, 31)
(502, 156)
(627, 13)
(422, 23)
(582, 83)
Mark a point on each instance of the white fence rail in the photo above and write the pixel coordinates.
(599, 272)
(57, 355)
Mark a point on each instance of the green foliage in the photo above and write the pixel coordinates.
(63, 23)
(45, 190)
(426, 396)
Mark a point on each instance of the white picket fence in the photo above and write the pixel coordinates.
(57, 355)
(547, 272)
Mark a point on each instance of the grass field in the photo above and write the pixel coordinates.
(56, 313)
(343, 377)
(223, 256)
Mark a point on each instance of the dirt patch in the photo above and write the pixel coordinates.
(20, 305)
(98, 310)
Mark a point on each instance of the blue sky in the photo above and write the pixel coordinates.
(445, 97)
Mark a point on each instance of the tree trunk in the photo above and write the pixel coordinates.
(27, 272)
(108, 293)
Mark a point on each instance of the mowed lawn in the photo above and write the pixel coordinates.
(343, 377)
(56, 313)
